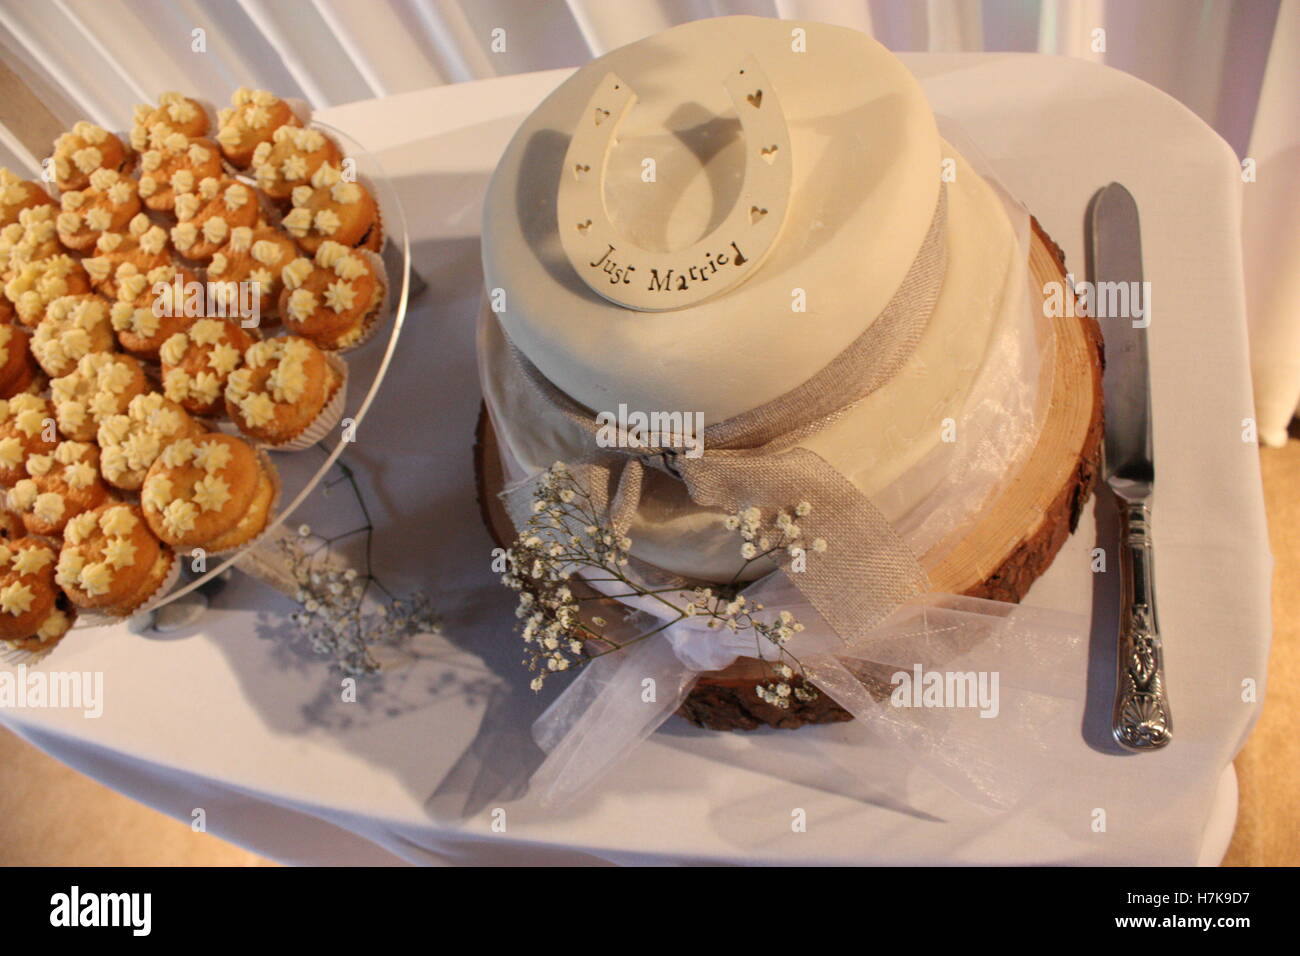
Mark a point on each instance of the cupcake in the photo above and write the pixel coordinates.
(101, 386)
(208, 214)
(33, 615)
(74, 325)
(173, 113)
(17, 194)
(251, 119)
(148, 310)
(290, 159)
(82, 151)
(211, 492)
(331, 209)
(256, 256)
(197, 363)
(139, 250)
(32, 238)
(111, 561)
(59, 486)
(33, 286)
(26, 428)
(175, 166)
(332, 300)
(281, 390)
(129, 443)
(18, 370)
(108, 204)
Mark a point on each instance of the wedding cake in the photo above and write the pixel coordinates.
(751, 232)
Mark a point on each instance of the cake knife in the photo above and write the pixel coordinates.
(1140, 720)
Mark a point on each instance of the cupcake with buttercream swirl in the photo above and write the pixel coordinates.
(197, 363)
(111, 562)
(34, 614)
(282, 390)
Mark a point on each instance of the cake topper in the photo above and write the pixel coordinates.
(649, 281)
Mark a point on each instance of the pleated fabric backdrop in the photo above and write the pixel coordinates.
(1233, 62)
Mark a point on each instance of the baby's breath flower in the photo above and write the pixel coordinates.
(560, 538)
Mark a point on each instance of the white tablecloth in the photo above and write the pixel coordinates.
(431, 763)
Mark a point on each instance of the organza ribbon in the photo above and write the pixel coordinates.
(867, 569)
(1025, 654)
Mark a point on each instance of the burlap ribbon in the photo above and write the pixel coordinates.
(753, 459)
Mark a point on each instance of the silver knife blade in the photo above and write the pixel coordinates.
(1140, 719)
(1116, 239)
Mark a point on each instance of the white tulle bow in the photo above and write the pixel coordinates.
(1010, 663)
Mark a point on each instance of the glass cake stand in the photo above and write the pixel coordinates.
(301, 472)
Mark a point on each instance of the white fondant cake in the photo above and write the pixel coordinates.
(866, 159)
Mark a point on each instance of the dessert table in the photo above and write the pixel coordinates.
(430, 763)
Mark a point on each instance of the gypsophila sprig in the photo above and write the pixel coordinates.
(345, 614)
(780, 538)
(564, 537)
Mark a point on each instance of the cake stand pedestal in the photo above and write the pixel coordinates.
(999, 557)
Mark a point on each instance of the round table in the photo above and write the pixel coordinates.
(430, 763)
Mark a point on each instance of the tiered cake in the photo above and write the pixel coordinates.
(870, 181)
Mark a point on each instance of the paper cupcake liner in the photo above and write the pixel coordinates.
(31, 656)
(324, 422)
(373, 319)
(273, 473)
(169, 582)
(94, 617)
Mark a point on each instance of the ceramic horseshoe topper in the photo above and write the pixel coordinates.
(650, 281)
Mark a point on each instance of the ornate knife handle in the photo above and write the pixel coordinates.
(1141, 719)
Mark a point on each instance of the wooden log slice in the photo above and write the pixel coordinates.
(999, 558)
